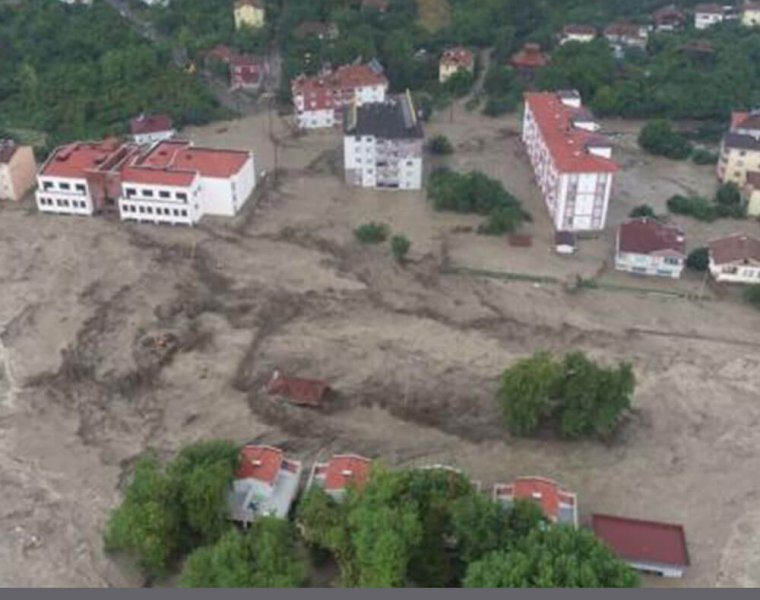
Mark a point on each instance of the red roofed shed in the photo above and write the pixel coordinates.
(303, 392)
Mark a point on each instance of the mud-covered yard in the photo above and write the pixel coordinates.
(88, 380)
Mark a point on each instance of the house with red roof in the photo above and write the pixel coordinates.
(557, 504)
(627, 35)
(265, 485)
(320, 99)
(668, 18)
(735, 259)
(648, 546)
(571, 161)
(647, 246)
(302, 392)
(583, 34)
(149, 129)
(453, 61)
(247, 72)
(340, 473)
(707, 15)
(528, 60)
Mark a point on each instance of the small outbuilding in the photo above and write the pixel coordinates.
(301, 392)
(564, 242)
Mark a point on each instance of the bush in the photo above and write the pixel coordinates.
(693, 206)
(440, 145)
(704, 157)
(372, 233)
(728, 194)
(752, 295)
(642, 211)
(658, 138)
(497, 106)
(699, 260)
(459, 84)
(501, 220)
(400, 246)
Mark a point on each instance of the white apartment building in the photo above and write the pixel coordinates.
(320, 100)
(383, 145)
(572, 163)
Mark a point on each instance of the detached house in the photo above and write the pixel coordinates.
(627, 35)
(751, 14)
(18, 170)
(648, 247)
(582, 34)
(455, 60)
(558, 505)
(250, 13)
(707, 15)
(740, 148)
(341, 473)
(735, 259)
(149, 129)
(529, 60)
(266, 484)
(668, 18)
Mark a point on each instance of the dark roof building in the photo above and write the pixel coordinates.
(648, 546)
(395, 118)
(649, 236)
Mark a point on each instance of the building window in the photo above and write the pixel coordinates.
(182, 196)
(184, 213)
(47, 185)
(130, 192)
(164, 194)
(148, 193)
(176, 212)
(142, 210)
(80, 187)
(65, 186)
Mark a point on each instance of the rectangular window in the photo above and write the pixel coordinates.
(130, 192)
(182, 196)
(148, 193)
(184, 213)
(176, 212)
(80, 187)
(142, 210)
(65, 186)
(47, 185)
(164, 194)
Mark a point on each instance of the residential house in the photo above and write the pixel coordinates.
(383, 145)
(455, 60)
(750, 12)
(340, 473)
(250, 13)
(668, 18)
(627, 35)
(650, 547)
(177, 183)
(647, 246)
(529, 60)
(301, 392)
(558, 505)
(740, 148)
(247, 72)
(18, 170)
(735, 259)
(707, 15)
(320, 100)
(752, 193)
(265, 485)
(582, 34)
(571, 161)
(149, 129)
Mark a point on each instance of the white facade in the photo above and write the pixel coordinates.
(705, 20)
(661, 265)
(153, 137)
(161, 204)
(581, 38)
(225, 197)
(736, 272)
(64, 195)
(384, 164)
(322, 107)
(316, 119)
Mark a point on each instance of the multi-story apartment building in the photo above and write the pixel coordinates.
(740, 148)
(572, 163)
(383, 145)
(320, 100)
(17, 170)
(173, 182)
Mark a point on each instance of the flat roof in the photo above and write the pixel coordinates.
(209, 162)
(76, 159)
(643, 541)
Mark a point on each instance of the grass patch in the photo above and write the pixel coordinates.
(434, 15)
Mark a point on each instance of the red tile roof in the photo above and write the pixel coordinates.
(260, 462)
(77, 159)
(647, 236)
(712, 9)
(566, 144)
(308, 392)
(150, 124)
(544, 491)
(348, 77)
(530, 57)
(643, 541)
(579, 30)
(458, 57)
(735, 248)
(221, 53)
(209, 162)
(345, 470)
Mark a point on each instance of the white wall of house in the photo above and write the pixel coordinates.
(316, 119)
(706, 20)
(63, 195)
(671, 572)
(370, 93)
(160, 204)
(371, 163)
(735, 273)
(153, 137)
(582, 38)
(649, 264)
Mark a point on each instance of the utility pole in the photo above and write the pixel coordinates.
(275, 143)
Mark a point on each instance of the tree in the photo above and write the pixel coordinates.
(553, 557)
(699, 260)
(527, 391)
(658, 138)
(440, 145)
(459, 84)
(479, 525)
(263, 557)
(752, 295)
(694, 206)
(400, 246)
(372, 233)
(643, 210)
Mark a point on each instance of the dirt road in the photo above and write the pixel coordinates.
(414, 357)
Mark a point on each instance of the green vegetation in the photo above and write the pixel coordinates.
(79, 73)
(700, 156)
(658, 138)
(643, 211)
(440, 145)
(752, 295)
(728, 203)
(476, 193)
(699, 260)
(372, 233)
(578, 397)
(169, 512)
(400, 246)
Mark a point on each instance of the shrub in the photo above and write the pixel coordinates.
(699, 260)
(440, 145)
(400, 246)
(459, 84)
(658, 138)
(704, 157)
(500, 105)
(752, 295)
(642, 211)
(372, 233)
(501, 220)
(693, 206)
(728, 194)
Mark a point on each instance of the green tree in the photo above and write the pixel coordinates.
(440, 145)
(699, 260)
(527, 392)
(400, 246)
(658, 138)
(643, 210)
(553, 557)
(752, 295)
(479, 525)
(459, 84)
(372, 233)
